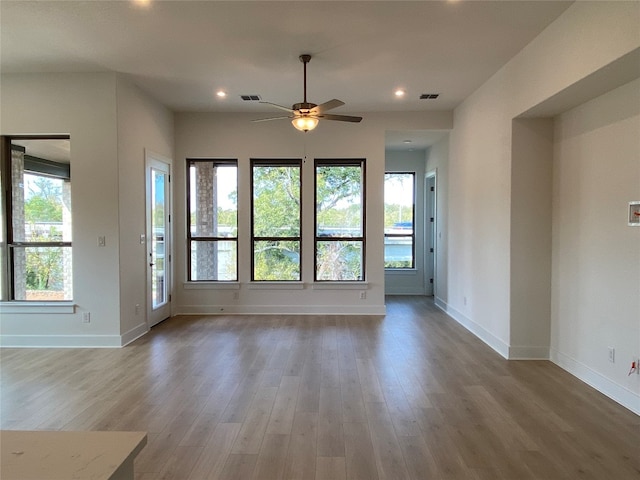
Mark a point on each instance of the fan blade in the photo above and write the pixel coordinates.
(287, 109)
(340, 118)
(270, 118)
(323, 107)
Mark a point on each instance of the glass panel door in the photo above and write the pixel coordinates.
(159, 293)
(158, 239)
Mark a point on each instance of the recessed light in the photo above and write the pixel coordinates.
(406, 141)
(221, 93)
(399, 92)
(142, 3)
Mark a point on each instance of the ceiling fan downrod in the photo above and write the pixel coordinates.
(305, 58)
(304, 106)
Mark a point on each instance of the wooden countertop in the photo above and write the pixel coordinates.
(53, 455)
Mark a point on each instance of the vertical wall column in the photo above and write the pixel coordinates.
(18, 217)
(206, 224)
(530, 259)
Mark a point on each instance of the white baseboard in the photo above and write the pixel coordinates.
(528, 352)
(280, 310)
(613, 390)
(403, 291)
(479, 331)
(73, 341)
(134, 334)
(441, 304)
(60, 341)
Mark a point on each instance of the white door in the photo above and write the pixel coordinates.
(158, 193)
(430, 231)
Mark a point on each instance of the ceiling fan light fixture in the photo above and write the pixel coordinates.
(304, 123)
(306, 115)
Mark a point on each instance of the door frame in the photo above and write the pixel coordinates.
(430, 231)
(159, 162)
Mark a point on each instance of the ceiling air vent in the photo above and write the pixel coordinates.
(250, 98)
(429, 96)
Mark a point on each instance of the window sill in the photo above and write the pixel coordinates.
(37, 307)
(400, 271)
(211, 285)
(340, 286)
(284, 285)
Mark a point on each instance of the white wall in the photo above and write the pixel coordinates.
(482, 292)
(411, 281)
(206, 135)
(84, 106)
(110, 123)
(596, 256)
(143, 124)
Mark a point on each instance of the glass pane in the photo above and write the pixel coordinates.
(42, 273)
(398, 252)
(339, 260)
(214, 260)
(278, 260)
(41, 208)
(339, 191)
(158, 214)
(398, 203)
(213, 195)
(276, 201)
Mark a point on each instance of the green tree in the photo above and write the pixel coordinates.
(44, 268)
(394, 213)
(44, 200)
(338, 194)
(339, 214)
(276, 214)
(43, 205)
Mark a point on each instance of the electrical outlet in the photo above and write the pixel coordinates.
(102, 241)
(612, 354)
(363, 295)
(86, 317)
(236, 295)
(137, 309)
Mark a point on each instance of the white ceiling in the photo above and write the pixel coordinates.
(182, 52)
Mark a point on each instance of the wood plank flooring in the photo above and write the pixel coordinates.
(409, 396)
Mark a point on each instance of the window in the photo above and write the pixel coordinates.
(339, 220)
(275, 220)
(37, 255)
(212, 203)
(399, 237)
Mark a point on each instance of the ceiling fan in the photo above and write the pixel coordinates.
(305, 115)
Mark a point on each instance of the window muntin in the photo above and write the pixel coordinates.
(212, 207)
(276, 240)
(37, 209)
(339, 220)
(399, 220)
